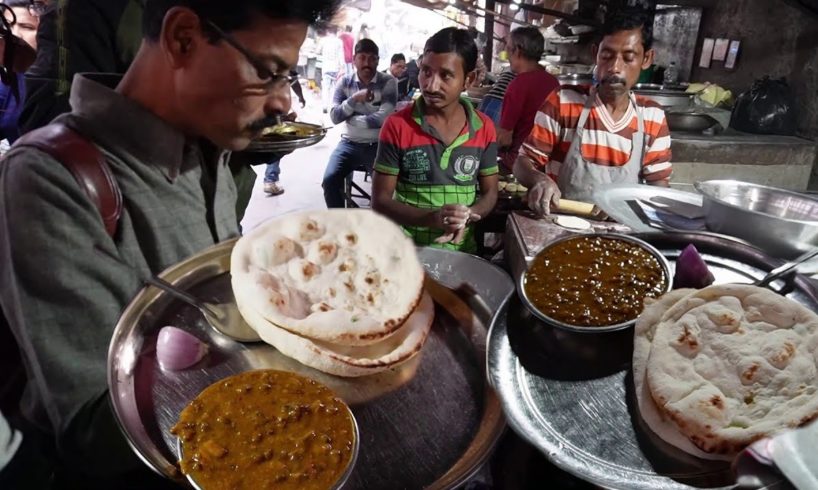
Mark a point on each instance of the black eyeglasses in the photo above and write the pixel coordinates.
(274, 81)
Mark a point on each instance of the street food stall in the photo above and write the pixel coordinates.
(653, 338)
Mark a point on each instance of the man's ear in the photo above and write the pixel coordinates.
(181, 35)
(595, 49)
(647, 61)
(470, 78)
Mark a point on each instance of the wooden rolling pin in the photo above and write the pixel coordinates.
(578, 208)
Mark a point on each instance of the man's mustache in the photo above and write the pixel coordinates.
(614, 79)
(267, 121)
(433, 94)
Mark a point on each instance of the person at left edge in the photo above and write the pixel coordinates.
(65, 281)
(435, 155)
(362, 100)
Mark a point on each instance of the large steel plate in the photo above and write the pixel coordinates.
(431, 422)
(572, 395)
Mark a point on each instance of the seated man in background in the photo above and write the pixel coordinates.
(434, 154)
(363, 100)
(397, 68)
(492, 103)
(583, 139)
(525, 94)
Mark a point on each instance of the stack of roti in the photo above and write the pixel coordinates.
(719, 368)
(338, 290)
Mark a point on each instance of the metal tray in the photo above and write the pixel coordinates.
(572, 395)
(269, 145)
(429, 423)
(614, 201)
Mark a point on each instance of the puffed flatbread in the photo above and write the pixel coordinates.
(348, 277)
(348, 361)
(643, 335)
(731, 364)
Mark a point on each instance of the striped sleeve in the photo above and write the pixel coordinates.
(488, 162)
(546, 132)
(657, 164)
(341, 108)
(387, 160)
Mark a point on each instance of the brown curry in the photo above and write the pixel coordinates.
(265, 429)
(594, 281)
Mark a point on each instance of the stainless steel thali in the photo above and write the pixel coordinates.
(572, 395)
(429, 423)
(274, 145)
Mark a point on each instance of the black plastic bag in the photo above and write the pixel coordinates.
(767, 108)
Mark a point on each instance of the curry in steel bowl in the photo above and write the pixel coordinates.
(266, 429)
(596, 281)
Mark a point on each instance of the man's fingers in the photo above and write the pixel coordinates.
(555, 198)
(445, 238)
(459, 236)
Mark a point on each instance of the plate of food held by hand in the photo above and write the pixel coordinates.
(342, 300)
(287, 136)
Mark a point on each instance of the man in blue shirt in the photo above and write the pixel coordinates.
(363, 100)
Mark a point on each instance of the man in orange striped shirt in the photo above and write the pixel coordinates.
(585, 138)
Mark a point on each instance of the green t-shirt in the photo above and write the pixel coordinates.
(431, 174)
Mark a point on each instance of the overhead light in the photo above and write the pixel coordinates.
(518, 1)
(513, 7)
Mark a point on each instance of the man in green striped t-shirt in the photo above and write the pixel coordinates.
(434, 155)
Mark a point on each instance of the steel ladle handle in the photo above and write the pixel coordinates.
(784, 269)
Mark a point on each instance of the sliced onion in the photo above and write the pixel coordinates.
(691, 270)
(177, 349)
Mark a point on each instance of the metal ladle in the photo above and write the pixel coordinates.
(223, 318)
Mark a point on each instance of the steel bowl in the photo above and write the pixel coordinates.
(693, 122)
(338, 485)
(667, 98)
(592, 329)
(781, 222)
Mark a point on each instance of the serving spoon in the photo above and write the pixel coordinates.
(223, 318)
(782, 270)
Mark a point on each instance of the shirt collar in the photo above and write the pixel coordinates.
(472, 118)
(120, 122)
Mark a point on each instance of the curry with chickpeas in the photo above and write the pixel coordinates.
(594, 281)
(266, 429)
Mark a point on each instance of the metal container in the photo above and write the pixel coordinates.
(783, 223)
(576, 79)
(595, 329)
(667, 98)
(342, 479)
(691, 122)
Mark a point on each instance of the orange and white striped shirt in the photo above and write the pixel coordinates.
(604, 141)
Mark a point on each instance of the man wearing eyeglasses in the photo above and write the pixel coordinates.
(363, 100)
(207, 78)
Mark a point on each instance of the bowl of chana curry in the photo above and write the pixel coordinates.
(267, 429)
(594, 282)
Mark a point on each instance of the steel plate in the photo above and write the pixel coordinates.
(267, 145)
(429, 423)
(572, 395)
(613, 200)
